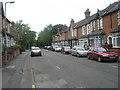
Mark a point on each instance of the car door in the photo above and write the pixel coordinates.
(95, 53)
(73, 50)
(91, 51)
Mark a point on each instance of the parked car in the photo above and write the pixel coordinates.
(52, 48)
(79, 51)
(32, 47)
(36, 51)
(58, 48)
(101, 54)
(66, 49)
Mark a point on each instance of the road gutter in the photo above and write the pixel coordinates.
(33, 78)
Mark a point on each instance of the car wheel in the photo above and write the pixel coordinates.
(40, 54)
(72, 54)
(64, 52)
(99, 59)
(88, 57)
(78, 55)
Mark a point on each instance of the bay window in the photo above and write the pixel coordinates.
(116, 40)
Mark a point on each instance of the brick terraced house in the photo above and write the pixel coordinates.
(100, 29)
(11, 37)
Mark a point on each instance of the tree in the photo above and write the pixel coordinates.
(27, 37)
(57, 27)
(45, 36)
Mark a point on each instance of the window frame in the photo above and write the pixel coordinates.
(83, 30)
(119, 17)
(114, 39)
(100, 23)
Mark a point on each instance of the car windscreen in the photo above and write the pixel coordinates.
(35, 49)
(81, 49)
(102, 50)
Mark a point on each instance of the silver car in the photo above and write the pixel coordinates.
(79, 51)
(57, 48)
(36, 51)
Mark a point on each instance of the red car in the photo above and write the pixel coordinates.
(66, 49)
(101, 54)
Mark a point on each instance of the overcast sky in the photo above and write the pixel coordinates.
(39, 13)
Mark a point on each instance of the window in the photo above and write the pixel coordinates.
(88, 29)
(95, 49)
(74, 48)
(72, 32)
(102, 50)
(3, 22)
(83, 30)
(100, 24)
(97, 41)
(109, 40)
(116, 40)
(75, 32)
(119, 17)
(92, 26)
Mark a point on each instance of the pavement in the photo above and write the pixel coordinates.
(14, 72)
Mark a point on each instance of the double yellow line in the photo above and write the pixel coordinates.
(33, 86)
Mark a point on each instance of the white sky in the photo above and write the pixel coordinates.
(39, 13)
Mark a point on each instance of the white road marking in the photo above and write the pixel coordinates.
(10, 67)
(80, 87)
(57, 67)
(114, 66)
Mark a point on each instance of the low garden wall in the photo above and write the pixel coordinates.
(11, 53)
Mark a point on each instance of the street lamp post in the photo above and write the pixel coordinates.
(6, 30)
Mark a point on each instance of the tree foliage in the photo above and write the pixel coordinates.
(27, 37)
(45, 36)
(57, 27)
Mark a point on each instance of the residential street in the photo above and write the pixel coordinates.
(56, 70)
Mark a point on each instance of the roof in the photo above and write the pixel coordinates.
(97, 33)
(84, 36)
(86, 21)
(1, 9)
(111, 8)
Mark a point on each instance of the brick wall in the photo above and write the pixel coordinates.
(110, 23)
(79, 32)
(66, 35)
(11, 56)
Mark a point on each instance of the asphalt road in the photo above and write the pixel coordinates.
(56, 70)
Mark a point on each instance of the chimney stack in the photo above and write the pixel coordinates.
(72, 21)
(87, 13)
